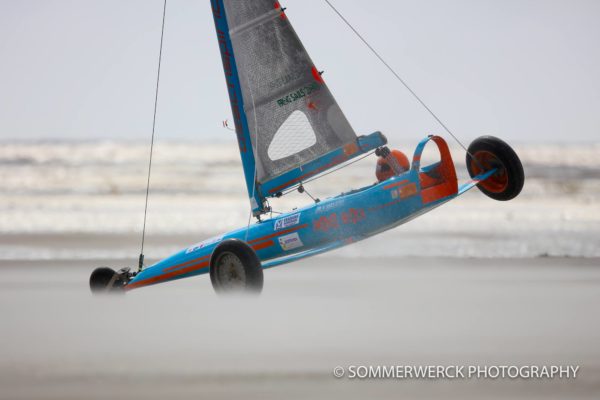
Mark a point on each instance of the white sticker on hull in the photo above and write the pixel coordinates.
(288, 221)
(329, 206)
(206, 243)
(290, 242)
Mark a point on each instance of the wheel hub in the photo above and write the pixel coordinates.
(231, 271)
(483, 161)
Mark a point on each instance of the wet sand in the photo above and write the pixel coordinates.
(179, 340)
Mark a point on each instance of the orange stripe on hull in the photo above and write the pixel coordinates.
(393, 185)
(202, 262)
(195, 260)
(255, 247)
(163, 277)
(438, 192)
(263, 245)
(278, 233)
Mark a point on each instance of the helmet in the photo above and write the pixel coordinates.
(384, 171)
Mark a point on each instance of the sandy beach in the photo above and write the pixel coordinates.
(475, 282)
(179, 340)
(113, 151)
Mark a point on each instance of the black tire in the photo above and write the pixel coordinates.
(105, 280)
(488, 152)
(235, 268)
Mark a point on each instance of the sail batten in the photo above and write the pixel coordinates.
(279, 93)
(255, 22)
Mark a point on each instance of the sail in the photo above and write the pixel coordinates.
(287, 115)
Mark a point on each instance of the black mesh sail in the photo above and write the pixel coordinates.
(292, 116)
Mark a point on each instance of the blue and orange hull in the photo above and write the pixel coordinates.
(328, 224)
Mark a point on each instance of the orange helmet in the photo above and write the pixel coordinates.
(384, 170)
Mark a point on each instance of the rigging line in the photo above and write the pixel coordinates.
(162, 34)
(326, 173)
(339, 168)
(396, 75)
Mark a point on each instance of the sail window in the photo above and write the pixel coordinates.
(293, 136)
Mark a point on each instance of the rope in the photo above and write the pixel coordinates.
(162, 34)
(396, 75)
(288, 191)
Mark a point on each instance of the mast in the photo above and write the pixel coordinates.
(236, 100)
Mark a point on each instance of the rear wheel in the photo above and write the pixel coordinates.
(489, 152)
(235, 268)
(106, 280)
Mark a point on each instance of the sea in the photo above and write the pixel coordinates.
(85, 200)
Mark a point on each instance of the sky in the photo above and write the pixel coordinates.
(523, 70)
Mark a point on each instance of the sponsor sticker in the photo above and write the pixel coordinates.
(206, 243)
(290, 242)
(408, 190)
(298, 94)
(325, 223)
(329, 206)
(288, 221)
(353, 216)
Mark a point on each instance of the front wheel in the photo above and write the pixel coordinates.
(235, 268)
(489, 152)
